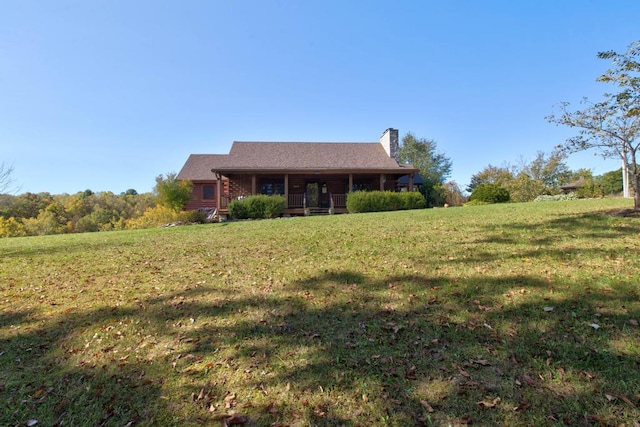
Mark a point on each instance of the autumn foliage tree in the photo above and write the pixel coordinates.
(172, 192)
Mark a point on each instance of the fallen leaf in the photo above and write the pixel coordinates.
(320, 412)
(547, 309)
(612, 396)
(522, 406)
(411, 373)
(428, 407)
(488, 404)
(31, 423)
(272, 408)
(230, 401)
(529, 380)
(595, 326)
(633, 322)
(600, 419)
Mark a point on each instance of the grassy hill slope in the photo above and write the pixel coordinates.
(515, 314)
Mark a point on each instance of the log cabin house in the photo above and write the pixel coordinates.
(313, 177)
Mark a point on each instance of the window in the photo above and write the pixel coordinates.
(362, 187)
(272, 188)
(208, 192)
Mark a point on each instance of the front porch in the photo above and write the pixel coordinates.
(304, 194)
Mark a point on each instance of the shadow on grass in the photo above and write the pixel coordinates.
(338, 348)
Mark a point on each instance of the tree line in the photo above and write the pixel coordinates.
(525, 181)
(32, 214)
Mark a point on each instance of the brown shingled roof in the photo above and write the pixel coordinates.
(294, 157)
(198, 167)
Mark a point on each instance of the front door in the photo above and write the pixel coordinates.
(313, 195)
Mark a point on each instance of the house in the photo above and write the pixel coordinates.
(573, 186)
(312, 176)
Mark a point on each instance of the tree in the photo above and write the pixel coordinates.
(172, 192)
(491, 175)
(625, 76)
(490, 193)
(551, 170)
(611, 126)
(524, 188)
(612, 182)
(6, 180)
(453, 194)
(434, 167)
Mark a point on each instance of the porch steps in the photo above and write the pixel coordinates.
(318, 211)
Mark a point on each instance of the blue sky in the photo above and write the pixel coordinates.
(106, 95)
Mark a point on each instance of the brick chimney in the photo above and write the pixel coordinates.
(389, 141)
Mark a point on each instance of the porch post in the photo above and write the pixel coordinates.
(253, 184)
(218, 192)
(411, 182)
(286, 191)
(381, 182)
(350, 183)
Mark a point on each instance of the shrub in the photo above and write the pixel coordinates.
(412, 200)
(490, 193)
(590, 190)
(199, 217)
(11, 227)
(379, 201)
(556, 198)
(257, 207)
(154, 217)
(238, 209)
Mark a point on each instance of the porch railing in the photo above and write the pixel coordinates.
(296, 200)
(339, 200)
(224, 201)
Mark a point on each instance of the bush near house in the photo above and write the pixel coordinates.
(380, 201)
(257, 207)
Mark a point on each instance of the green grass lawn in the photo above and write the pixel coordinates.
(514, 314)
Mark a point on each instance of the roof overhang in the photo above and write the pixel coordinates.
(394, 171)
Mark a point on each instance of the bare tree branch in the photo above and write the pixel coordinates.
(6, 180)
